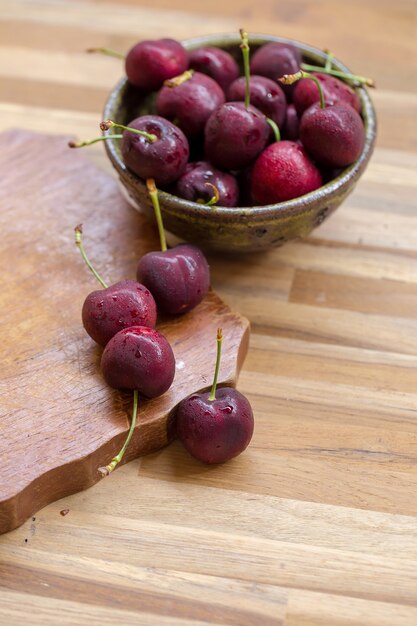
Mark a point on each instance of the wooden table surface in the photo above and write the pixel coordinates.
(316, 524)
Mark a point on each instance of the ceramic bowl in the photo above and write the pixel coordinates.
(239, 229)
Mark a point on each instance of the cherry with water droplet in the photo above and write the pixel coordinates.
(333, 135)
(282, 172)
(140, 359)
(152, 147)
(215, 426)
(106, 311)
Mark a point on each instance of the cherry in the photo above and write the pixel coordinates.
(151, 62)
(236, 132)
(275, 59)
(152, 147)
(198, 180)
(235, 135)
(189, 99)
(178, 278)
(140, 358)
(265, 95)
(291, 127)
(333, 135)
(335, 91)
(283, 171)
(163, 158)
(215, 427)
(216, 63)
(108, 310)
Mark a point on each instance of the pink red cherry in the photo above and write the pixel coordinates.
(282, 172)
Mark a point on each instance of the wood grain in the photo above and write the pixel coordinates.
(316, 524)
(59, 421)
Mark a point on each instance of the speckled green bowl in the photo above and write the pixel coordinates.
(240, 229)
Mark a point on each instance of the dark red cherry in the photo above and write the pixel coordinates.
(291, 127)
(151, 62)
(334, 136)
(163, 159)
(192, 185)
(265, 94)
(190, 102)
(235, 135)
(216, 63)
(215, 426)
(282, 172)
(274, 60)
(335, 91)
(178, 278)
(215, 431)
(139, 358)
(126, 303)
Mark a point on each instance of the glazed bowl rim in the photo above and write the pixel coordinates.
(287, 208)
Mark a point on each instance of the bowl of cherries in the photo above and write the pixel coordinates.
(252, 141)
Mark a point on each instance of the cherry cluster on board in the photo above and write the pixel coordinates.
(273, 134)
(214, 427)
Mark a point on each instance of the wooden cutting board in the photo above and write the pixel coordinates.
(59, 421)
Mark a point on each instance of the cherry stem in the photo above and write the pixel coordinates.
(153, 194)
(81, 144)
(329, 60)
(107, 124)
(245, 53)
(289, 79)
(363, 80)
(179, 80)
(275, 128)
(106, 470)
(215, 197)
(78, 240)
(107, 51)
(212, 395)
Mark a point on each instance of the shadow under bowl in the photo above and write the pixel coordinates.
(238, 229)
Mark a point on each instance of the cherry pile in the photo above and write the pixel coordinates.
(121, 318)
(270, 135)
